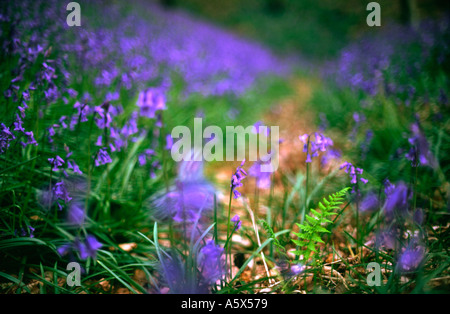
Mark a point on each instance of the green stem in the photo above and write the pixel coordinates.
(306, 183)
(228, 230)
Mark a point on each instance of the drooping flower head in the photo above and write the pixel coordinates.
(313, 147)
(210, 262)
(89, 247)
(190, 196)
(370, 202)
(76, 214)
(262, 177)
(411, 258)
(6, 136)
(353, 173)
(61, 192)
(177, 277)
(86, 248)
(150, 101)
(329, 155)
(236, 179)
(420, 149)
(56, 162)
(237, 222)
(102, 157)
(397, 197)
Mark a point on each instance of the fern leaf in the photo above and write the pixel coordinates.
(312, 227)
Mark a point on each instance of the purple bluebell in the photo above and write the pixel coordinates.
(142, 159)
(329, 155)
(236, 179)
(312, 148)
(187, 198)
(178, 279)
(62, 121)
(103, 117)
(30, 139)
(370, 202)
(297, 269)
(51, 133)
(150, 101)
(31, 229)
(88, 248)
(397, 197)
(262, 177)
(6, 136)
(237, 222)
(102, 157)
(60, 192)
(18, 124)
(76, 214)
(82, 112)
(56, 163)
(211, 262)
(169, 142)
(420, 152)
(411, 258)
(353, 173)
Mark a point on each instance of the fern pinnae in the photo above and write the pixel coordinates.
(280, 249)
(312, 227)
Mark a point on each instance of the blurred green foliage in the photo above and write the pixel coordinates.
(316, 29)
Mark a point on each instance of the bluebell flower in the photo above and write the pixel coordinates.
(177, 278)
(353, 173)
(60, 192)
(420, 152)
(88, 248)
(76, 214)
(237, 222)
(370, 202)
(312, 148)
(397, 197)
(236, 179)
(150, 101)
(187, 198)
(102, 157)
(410, 259)
(262, 177)
(6, 136)
(211, 262)
(56, 162)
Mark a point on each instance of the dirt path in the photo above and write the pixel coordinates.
(292, 118)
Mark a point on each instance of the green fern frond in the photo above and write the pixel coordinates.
(312, 228)
(280, 248)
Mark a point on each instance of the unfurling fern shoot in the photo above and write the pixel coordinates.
(312, 228)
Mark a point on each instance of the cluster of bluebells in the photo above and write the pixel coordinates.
(27, 49)
(187, 203)
(397, 198)
(363, 65)
(87, 248)
(313, 147)
(210, 268)
(237, 222)
(210, 61)
(236, 179)
(17, 130)
(210, 260)
(353, 172)
(263, 178)
(411, 258)
(190, 196)
(420, 153)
